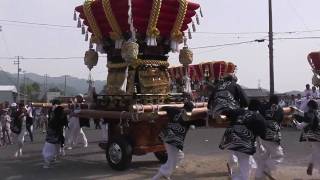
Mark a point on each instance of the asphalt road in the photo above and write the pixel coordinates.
(90, 162)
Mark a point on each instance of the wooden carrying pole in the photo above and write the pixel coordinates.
(115, 116)
(153, 107)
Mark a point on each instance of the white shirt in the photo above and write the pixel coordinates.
(282, 103)
(29, 111)
(304, 103)
(5, 120)
(314, 95)
(298, 102)
(307, 92)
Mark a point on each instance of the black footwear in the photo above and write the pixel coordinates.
(310, 169)
(268, 175)
(103, 145)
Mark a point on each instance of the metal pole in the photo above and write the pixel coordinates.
(46, 86)
(65, 85)
(271, 49)
(17, 62)
(24, 87)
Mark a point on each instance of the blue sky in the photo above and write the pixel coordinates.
(292, 70)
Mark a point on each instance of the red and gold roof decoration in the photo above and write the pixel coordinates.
(314, 60)
(152, 18)
(213, 70)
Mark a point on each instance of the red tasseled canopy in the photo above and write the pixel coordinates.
(141, 12)
(314, 60)
(216, 70)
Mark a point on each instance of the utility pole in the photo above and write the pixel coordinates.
(24, 87)
(17, 62)
(45, 86)
(259, 84)
(65, 85)
(271, 50)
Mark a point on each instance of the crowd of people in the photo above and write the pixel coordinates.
(62, 128)
(10, 124)
(253, 137)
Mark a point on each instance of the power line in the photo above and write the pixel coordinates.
(49, 58)
(248, 33)
(229, 44)
(194, 48)
(254, 41)
(200, 32)
(297, 38)
(37, 24)
(5, 42)
(53, 58)
(295, 11)
(228, 33)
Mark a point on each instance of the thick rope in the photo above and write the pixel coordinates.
(91, 20)
(176, 34)
(116, 33)
(152, 30)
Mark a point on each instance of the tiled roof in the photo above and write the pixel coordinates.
(8, 88)
(256, 92)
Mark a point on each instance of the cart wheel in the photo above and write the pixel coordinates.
(119, 153)
(162, 156)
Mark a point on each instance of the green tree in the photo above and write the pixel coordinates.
(32, 90)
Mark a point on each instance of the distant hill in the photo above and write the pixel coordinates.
(293, 92)
(74, 85)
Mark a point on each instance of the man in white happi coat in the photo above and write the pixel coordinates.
(75, 132)
(270, 153)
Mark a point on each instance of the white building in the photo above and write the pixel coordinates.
(52, 95)
(8, 93)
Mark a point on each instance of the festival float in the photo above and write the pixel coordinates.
(314, 61)
(201, 75)
(137, 36)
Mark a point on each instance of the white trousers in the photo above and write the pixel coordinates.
(175, 157)
(240, 165)
(315, 155)
(50, 151)
(104, 131)
(20, 141)
(6, 133)
(75, 133)
(268, 157)
(20, 138)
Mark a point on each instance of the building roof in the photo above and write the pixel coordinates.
(8, 88)
(256, 92)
